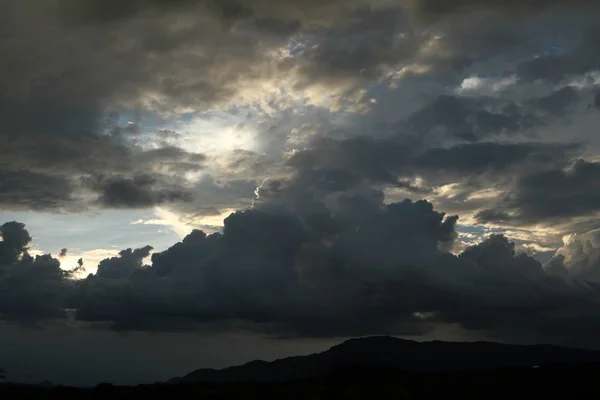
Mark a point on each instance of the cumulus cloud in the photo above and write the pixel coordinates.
(579, 257)
(15, 240)
(33, 289)
(317, 275)
(123, 266)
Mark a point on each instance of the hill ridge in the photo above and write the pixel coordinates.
(388, 351)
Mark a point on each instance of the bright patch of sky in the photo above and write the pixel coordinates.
(182, 227)
(217, 134)
(526, 240)
(476, 85)
(91, 237)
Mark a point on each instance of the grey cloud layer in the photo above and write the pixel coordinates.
(61, 150)
(56, 92)
(552, 194)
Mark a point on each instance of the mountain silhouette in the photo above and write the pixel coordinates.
(386, 351)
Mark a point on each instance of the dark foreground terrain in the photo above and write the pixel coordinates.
(557, 382)
(375, 368)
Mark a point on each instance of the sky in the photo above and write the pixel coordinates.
(200, 183)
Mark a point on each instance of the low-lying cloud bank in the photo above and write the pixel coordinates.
(388, 270)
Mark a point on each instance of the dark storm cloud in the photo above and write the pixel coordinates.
(260, 270)
(15, 240)
(552, 194)
(469, 119)
(30, 288)
(110, 10)
(125, 72)
(139, 191)
(356, 155)
(370, 45)
(556, 67)
(211, 196)
(498, 253)
(55, 183)
(434, 137)
(89, 155)
(46, 174)
(542, 45)
(123, 266)
(530, 302)
(276, 272)
(557, 102)
(596, 101)
(33, 289)
(337, 166)
(388, 273)
(216, 283)
(438, 8)
(489, 156)
(227, 9)
(266, 269)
